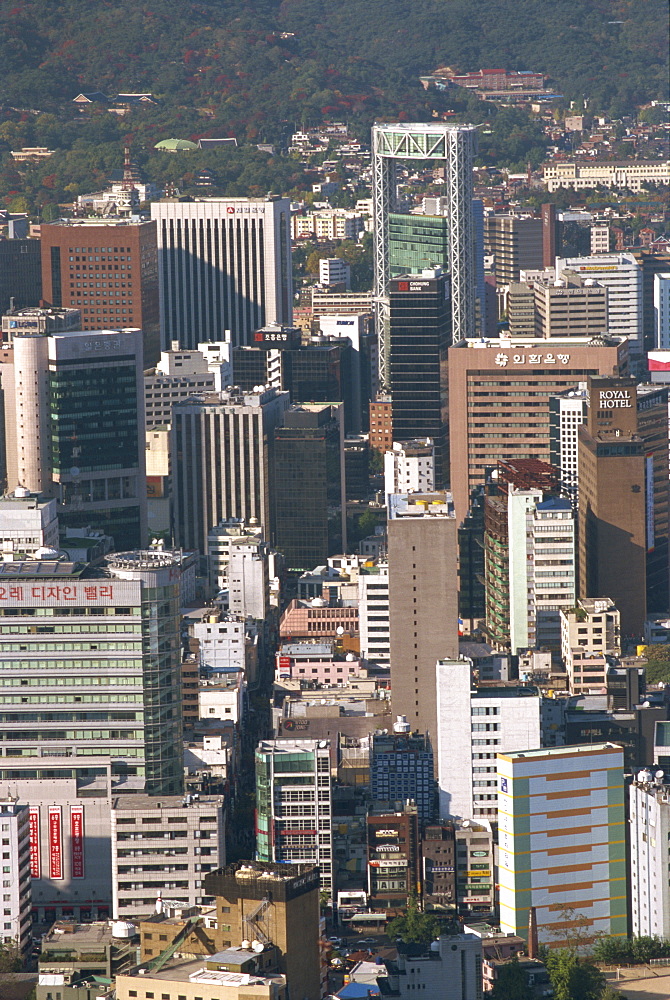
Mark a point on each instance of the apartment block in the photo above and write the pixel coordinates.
(402, 769)
(373, 614)
(562, 842)
(409, 467)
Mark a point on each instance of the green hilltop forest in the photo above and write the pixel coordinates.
(259, 69)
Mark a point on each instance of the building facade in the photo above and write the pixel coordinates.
(293, 804)
(423, 604)
(402, 769)
(106, 268)
(649, 806)
(562, 842)
(15, 825)
(499, 394)
(221, 454)
(224, 265)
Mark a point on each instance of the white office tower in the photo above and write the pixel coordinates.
(449, 969)
(334, 271)
(221, 461)
(16, 887)
(662, 311)
(373, 614)
(473, 724)
(223, 264)
(567, 411)
(649, 819)
(410, 467)
(179, 374)
(621, 275)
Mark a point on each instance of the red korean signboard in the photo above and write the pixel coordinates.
(34, 826)
(55, 842)
(77, 840)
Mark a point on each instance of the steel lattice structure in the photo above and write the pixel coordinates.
(455, 145)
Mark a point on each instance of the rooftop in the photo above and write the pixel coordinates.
(585, 750)
(195, 972)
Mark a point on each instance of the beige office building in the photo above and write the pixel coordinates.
(499, 393)
(423, 602)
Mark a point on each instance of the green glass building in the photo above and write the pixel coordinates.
(417, 242)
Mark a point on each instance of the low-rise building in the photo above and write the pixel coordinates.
(78, 960)
(649, 823)
(321, 662)
(450, 968)
(610, 173)
(198, 980)
(28, 524)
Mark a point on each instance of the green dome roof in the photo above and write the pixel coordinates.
(173, 144)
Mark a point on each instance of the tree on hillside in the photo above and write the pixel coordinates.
(572, 978)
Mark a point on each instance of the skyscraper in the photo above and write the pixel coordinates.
(423, 602)
(224, 265)
(309, 494)
(221, 448)
(562, 842)
(453, 145)
(419, 336)
(108, 269)
(612, 501)
(74, 427)
(20, 273)
(515, 242)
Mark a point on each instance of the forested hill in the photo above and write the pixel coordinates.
(255, 63)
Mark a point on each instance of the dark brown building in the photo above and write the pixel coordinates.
(612, 501)
(394, 872)
(108, 268)
(652, 416)
(438, 850)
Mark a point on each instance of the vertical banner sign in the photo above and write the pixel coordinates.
(34, 825)
(77, 840)
(649, 498)
(55, 842)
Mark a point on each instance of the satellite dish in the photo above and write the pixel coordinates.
(75, 471)
(339, 630)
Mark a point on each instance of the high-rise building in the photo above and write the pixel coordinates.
(224, 264)
(107, 268)
(402, 768)
(567, 411)
(17, 922)
(529, 557)
(288, 771)
(652, 425)
(309, 494)
(419, 336)
(590, 637)
(516, 243)
(622, 277)
(571, 306)
(649, 811)
(410, 467)
(612, 501)
(373, 614)
(423, 602)
(474, 724)
(61, 441)
(662, 311)
(499, 393)
(221, 451)
(562, 842)
(119, 628)
(180, 374)
(417, 242)
(453, 145)
(273, 903)
(20, 273)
